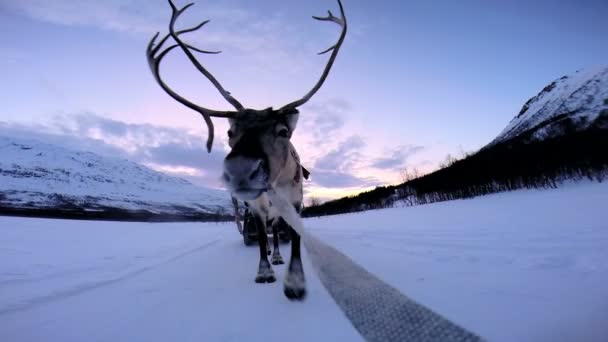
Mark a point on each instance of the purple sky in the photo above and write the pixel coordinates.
(413, 82)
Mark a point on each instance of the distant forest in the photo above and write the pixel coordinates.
(510, 165)
(113, 214)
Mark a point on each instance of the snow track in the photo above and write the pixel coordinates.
(80, 288)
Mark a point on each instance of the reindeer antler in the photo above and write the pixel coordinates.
(155, 56)
(334, 52)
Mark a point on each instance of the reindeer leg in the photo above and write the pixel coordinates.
(277, 259)
(265, 272)
(294, 286)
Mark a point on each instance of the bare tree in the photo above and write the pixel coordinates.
(314, 201)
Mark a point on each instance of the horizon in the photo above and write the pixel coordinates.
(443, 80)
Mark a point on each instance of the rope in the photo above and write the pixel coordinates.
(378, 311)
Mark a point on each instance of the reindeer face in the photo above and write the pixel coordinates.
(260, 151)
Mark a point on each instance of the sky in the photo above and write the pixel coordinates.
(414, 81)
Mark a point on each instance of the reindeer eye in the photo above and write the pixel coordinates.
(283, 132)
(230, 134)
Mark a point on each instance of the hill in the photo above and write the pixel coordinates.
(39, 179)
(559, 134)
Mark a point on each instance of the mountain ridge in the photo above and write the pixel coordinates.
(573, 102)
(37, 176)
(559, 135)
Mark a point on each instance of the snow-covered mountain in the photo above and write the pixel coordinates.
(572, 103)
(36, 176)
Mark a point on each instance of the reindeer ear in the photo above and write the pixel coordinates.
(292, 121)
(305, 172)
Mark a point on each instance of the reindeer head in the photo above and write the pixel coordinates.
(259, 139)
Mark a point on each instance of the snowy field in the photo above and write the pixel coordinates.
(520, 266)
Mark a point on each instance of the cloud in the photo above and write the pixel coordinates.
(398, 157)
(336, 169)
(130, 16)
(347, 163)
(186, 156)
(170, 150)
(176, 151)
(54, 135)
(250, 32)
(325, 119)
(337, 179)
(343, 157)
(179, 152)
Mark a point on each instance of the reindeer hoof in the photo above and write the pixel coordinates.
(277, 259)
(260, 279)
(265, 274)
(295, 293)
(294, 286)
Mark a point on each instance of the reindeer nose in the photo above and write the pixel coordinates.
(243, 172)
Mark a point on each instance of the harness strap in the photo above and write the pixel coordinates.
(377, 310)
(305, 172)
(237, 216)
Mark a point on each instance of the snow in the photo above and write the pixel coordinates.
(521, 266)
(32, 173)
(581, 96)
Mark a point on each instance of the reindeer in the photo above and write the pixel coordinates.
(262, 160)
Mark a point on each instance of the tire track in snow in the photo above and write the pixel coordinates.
(76, 290)
(68, 273)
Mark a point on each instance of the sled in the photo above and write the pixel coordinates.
(250, 232)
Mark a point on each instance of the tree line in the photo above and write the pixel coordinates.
(515, 164)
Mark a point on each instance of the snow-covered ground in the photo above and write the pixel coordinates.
(521, 266)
